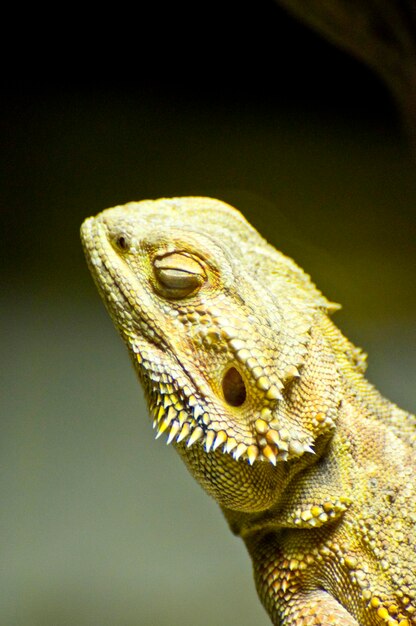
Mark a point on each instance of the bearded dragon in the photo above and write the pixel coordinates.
(267, 404)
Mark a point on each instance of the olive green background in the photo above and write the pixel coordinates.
(100, 525)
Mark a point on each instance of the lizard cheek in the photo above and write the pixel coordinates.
(233, 387)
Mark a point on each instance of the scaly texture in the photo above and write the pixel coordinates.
(266, 402)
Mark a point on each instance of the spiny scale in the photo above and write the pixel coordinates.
(220, 439)
(209, 440)
(196, 434)
(174, 429)
(275, 445)
(239, 451)
(185, 431)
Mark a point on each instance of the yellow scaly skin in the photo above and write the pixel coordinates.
(266, 402)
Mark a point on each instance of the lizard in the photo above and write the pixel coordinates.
(267, 403)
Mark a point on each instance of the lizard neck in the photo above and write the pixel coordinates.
(315, 493)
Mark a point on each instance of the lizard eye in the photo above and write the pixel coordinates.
(178, 275)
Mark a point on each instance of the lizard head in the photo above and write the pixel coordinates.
(219, 325)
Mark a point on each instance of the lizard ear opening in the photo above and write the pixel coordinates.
(233, 387)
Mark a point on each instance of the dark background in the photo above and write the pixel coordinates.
(101, 525)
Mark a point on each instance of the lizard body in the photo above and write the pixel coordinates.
(267, 404)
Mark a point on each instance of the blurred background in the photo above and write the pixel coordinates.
(99, 524)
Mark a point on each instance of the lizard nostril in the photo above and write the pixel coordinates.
(122, 243)
(233, 387)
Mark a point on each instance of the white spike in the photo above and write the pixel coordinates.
(252, 453)
(171, 414)
(309, 449)
(197, 434)
(296, 447)
(273, 393)
(209, 440)
(268, 452)
(230, 445)
(160, 413)
(163, 426)
(159, 433)
(198, 411)
(241, 448)
(186, 429)
(174, 429)
(220, 439)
